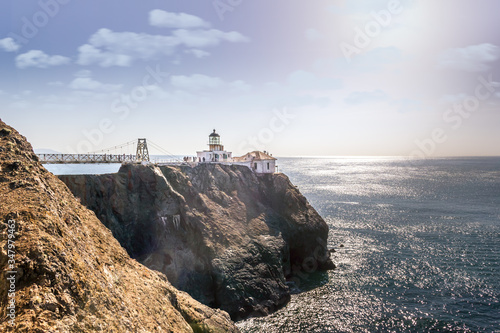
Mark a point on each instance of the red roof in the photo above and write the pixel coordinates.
(255, 156)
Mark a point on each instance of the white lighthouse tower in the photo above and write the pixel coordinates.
(215, 152)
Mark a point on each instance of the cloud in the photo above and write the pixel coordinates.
(89, 55)
(473, 58)
(9, 45)
(360, 97)
(108, 48)
(313, 34)
(37, 58)
(163, 19)
(201, 82)
(83, 73)
(198, 53)
(86, 83)
(206, 38)
(195, 82)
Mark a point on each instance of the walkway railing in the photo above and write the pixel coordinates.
(85, 158)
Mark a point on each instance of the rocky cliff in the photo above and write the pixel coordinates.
(62, 269)
(227, 236)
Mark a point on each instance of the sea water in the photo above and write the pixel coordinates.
(421, 247)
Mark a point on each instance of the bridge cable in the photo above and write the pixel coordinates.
(166, 152)
(114, 148)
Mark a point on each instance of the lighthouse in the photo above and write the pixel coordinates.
(215, 152)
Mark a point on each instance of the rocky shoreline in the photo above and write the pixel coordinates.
(228, 236)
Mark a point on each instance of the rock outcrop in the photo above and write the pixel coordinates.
(227, 236)
(71, 274)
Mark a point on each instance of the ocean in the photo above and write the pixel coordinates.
(421, 247)
(417, 246)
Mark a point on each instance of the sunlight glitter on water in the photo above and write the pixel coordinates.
(421, 247)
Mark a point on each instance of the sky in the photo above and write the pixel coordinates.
(295, 78)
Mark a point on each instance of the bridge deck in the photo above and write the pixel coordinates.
(85, 158)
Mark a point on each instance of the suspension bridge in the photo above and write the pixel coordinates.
(106, 156)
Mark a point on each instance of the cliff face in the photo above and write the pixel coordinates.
(71, 274)
(227, 236)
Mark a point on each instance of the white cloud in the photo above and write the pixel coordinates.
(163, 19)
(198, 53)
(89, 55)
(37, 58)
(83, 73)
(107, 48)
(206, 38)
(195, 82)
(86, 83)
(201, 82)
(9, 45)
(473, 58)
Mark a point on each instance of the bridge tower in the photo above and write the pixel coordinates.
(142, 151)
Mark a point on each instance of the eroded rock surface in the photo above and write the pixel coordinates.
(227, 236)
(72, 274)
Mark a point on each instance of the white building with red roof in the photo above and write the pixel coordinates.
(260, 162)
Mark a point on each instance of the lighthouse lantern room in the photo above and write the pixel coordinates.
(214, 142)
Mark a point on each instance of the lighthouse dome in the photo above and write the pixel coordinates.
(214, 134)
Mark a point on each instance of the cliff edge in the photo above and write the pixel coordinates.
(62, 269)
(228, 236)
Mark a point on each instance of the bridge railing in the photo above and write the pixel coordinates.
(85, 158)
